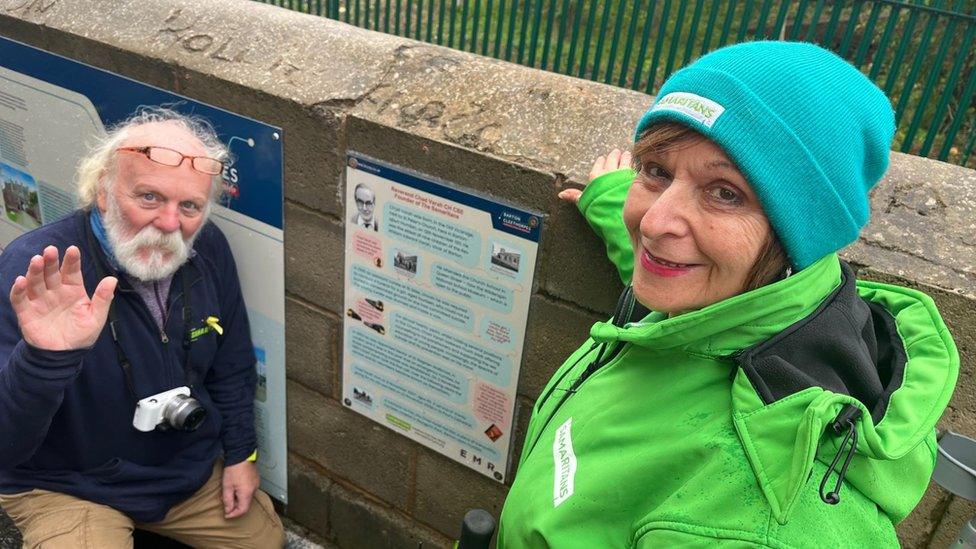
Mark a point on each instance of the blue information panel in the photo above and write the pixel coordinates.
(51, 110)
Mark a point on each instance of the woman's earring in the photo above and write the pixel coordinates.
(788, 271)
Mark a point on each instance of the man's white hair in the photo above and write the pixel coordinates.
(99, 166)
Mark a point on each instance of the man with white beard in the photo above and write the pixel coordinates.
(126, 365)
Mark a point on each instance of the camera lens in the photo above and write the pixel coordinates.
(184, 413)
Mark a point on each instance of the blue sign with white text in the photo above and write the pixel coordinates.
(53, 110)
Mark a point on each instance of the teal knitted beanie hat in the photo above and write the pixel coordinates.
(809, 132)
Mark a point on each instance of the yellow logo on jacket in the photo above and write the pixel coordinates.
(211, 324)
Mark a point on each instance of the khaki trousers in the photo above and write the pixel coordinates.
(51, 519)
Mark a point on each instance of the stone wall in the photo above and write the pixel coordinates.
(511, 132)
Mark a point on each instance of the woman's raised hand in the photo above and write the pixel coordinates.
(614, 160)
(52, 306)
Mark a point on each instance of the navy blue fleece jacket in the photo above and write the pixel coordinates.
(66, 417)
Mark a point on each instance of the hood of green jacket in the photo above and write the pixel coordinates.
(881, 351)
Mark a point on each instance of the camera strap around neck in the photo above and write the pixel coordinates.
(114, 324)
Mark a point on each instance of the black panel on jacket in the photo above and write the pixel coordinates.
(848, 346)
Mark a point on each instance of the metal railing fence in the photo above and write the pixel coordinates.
(920, 52)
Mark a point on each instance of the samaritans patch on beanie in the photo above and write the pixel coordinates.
(697, 107)
(809, 132)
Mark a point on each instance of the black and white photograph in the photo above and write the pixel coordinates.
(365, 216)
(505, 258)
(362, 395)
(405, 263)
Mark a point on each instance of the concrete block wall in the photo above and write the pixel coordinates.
(514, 133)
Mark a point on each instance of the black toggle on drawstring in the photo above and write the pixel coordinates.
(845, 420)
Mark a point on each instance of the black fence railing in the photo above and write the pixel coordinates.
(921, 52)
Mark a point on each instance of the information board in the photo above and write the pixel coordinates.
(437, 287)
(52, 108)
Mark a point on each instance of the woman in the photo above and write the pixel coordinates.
(769, 399)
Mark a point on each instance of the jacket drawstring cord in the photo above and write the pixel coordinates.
(846, 420)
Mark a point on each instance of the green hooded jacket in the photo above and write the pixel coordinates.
(718, 427)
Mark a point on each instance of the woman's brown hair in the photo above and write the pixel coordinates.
(771, 264)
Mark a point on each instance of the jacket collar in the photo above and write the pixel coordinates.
(782, 437)
(728, 326)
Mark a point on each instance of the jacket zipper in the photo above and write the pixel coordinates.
(163, 310)
(555, 385)
(590, 369)
(101, 268)
(575, 386)
(621, 316)
(163, 337)
(144, 310)
(587, 372)
(600, 361)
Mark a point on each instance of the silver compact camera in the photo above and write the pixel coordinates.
(173, 409)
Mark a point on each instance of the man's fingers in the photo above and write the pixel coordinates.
(18, 293)
(35, 277)
(613, 161)
(626, 160)
(102, 298)
(71, 267)
(227, 496)
(52, 276)
(243, 502)
(239, 484)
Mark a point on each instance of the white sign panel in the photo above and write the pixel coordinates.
(437, 287)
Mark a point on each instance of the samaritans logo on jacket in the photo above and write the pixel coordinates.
(565, 464)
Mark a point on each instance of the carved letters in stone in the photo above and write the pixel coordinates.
(183, 30)
(29, 6)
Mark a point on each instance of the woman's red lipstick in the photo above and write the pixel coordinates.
(660, 267)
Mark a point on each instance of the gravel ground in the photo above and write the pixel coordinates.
(9, 535)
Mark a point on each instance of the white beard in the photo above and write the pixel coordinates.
(166, 251)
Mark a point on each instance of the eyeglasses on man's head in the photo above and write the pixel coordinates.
(170, 157)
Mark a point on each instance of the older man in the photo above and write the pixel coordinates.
(132, 407)
(365, 207)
